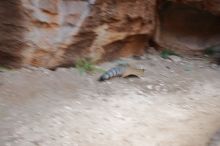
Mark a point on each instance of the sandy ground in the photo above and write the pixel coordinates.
(174, 104)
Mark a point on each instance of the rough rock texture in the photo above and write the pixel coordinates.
(53, 25)
(212, 6)
(56, 32)
(52, 33)
(115, 28)
(12, 29)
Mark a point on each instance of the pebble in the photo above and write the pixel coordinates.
(43, 70)
(26, 70)
(8, 144)
(214, 66)
(140, 92)
(139, 57)
(73, 69)
(31, 68)
(150, 87)
(161, 84)
(108, 82)
(175, 58)
(185, 91)
(78, 102)
(61, 69)
(68, 108)
(131, 80)
(164, 90)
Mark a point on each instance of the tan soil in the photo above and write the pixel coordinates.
(174, 104)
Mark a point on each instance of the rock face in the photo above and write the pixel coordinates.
(114, 28)
(12, 30)
(52, 25)
(188, 25)
(51, 33)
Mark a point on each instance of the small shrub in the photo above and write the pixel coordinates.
(212, 50)
(166, 53)
(86, 65)
(3, 69)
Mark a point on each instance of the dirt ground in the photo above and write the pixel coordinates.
(176, 103)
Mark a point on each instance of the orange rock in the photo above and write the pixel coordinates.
(51, 33)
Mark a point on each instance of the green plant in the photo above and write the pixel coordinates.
(208, 51)
(86, 65)
(212, 50)
(166, 53)
(3, 69)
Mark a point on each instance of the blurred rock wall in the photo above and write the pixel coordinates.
(51, 33)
